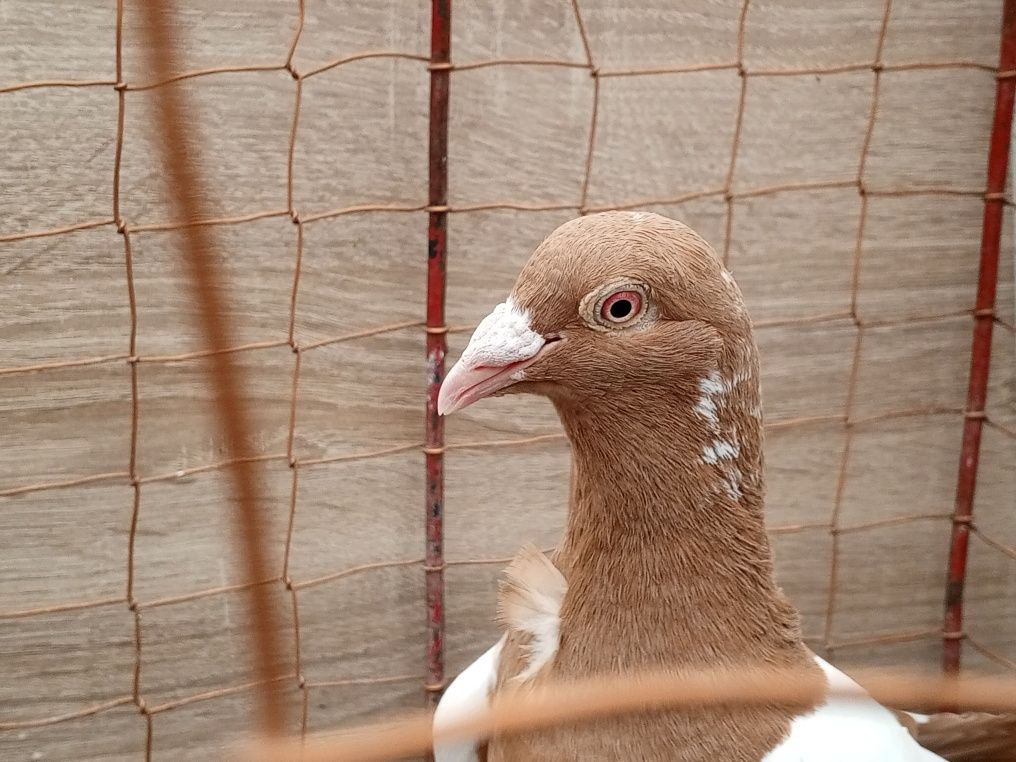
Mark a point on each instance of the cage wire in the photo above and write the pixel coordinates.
(281, 682)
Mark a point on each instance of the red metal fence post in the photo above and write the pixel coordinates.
(437, 344)
(980, 361)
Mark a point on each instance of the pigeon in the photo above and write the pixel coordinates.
(639, 336)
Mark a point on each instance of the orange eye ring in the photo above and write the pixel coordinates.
(621, 307)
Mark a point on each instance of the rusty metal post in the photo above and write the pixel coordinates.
(437, 344)
(980, 361)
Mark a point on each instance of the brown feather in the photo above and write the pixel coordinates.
(529, 605)
(530, 586)
(665, 553)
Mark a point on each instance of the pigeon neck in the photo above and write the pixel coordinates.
(665, 552)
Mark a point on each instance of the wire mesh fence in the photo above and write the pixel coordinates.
(825, 293)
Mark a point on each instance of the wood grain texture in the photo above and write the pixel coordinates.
(518, 135)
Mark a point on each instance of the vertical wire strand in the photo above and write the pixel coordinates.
(132, 466)
(198, 245)
(735, 143)
(291, 338)
(594, 72)
(855, 363)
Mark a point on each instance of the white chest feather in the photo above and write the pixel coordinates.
(848, 731)
(837, 731)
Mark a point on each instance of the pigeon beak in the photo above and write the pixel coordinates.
(465, 384)
(501, 348)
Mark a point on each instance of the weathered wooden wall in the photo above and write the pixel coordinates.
(518, 136)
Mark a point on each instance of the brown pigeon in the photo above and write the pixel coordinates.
(638, 335)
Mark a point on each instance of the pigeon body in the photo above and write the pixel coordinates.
(638, 335)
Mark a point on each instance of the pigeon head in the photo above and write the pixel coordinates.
(610, 307)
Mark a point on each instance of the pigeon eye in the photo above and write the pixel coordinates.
(621, 307)
(615, 306)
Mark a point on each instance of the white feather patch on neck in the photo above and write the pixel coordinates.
(724, 450)
(529, 601)
(707, 407)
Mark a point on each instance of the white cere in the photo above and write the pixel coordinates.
(503, 337)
